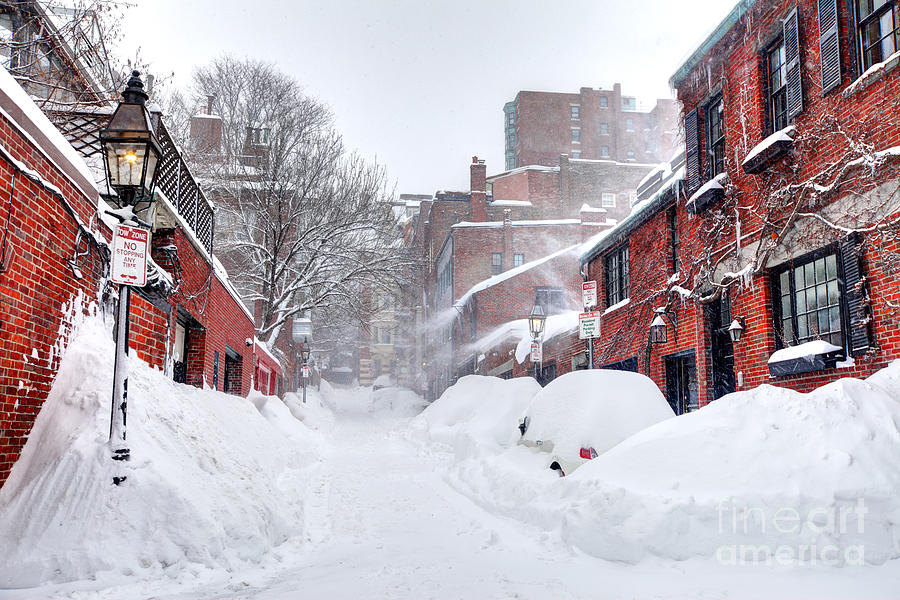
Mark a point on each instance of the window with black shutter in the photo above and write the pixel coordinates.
(715, 137)
(829, 47)
(777, 80)
(616, 270)
(791, 31)
(692, 152)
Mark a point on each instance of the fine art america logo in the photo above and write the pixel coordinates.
(820, 531)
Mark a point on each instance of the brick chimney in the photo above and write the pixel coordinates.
(206, 129)
(478, 190)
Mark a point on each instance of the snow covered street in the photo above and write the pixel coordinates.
(381, 521)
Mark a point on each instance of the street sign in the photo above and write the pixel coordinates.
(305, 372)
(129, 255)
(537, 352)
(589, 325)
(589, 294)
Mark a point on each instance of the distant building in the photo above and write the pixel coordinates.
(591, 124)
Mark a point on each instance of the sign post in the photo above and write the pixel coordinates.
(588, 329)
(128, 268)
(589, 295)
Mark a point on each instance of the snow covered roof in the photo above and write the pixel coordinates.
(518, 170)
(264, 348)
(511, 203)
(592, 209)
(501, 277)
(463, 224)
(35, 125)
(666, 191)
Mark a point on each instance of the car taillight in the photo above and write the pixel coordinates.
(588, 453)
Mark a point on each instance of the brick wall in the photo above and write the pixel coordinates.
(41, 236)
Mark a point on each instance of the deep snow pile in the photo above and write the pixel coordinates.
(384, 402)
(767, 475)
(211, 482)
(478, 414)
(594, 409)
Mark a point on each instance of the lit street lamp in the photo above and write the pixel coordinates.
(131, 153)
(536, 321)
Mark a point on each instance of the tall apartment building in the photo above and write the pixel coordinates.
(591, 124)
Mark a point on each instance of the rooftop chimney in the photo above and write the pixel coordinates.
(478, 191)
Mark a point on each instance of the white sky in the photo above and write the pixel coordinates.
(421, 84)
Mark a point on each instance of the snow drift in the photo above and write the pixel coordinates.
(768, 475)
(478, 414)
(211, 481)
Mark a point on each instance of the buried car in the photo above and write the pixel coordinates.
(582, 414)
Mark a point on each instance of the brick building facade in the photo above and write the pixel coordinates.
(783, 220)
(592, 124)
(54, 257)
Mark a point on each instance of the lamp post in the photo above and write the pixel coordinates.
(305, 349)
(131, 153)
(536, 321)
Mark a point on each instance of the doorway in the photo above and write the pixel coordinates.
(681, 381)
(721, 347)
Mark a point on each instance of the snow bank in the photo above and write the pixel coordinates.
(765, 476)
(211, 482)
(314, 413)
(478, 414)
(397, 401)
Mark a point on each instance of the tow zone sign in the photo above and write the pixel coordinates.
(129, 255)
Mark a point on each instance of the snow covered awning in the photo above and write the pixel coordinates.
(769, 150)
(709, 193)
(815, 355)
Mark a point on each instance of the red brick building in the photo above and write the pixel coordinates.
(784, 220)
(54, 255)
(592, 124)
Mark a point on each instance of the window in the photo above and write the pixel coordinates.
(629, 124)
(496, 263)
(510, 119)
(576, 154)
(518, 260)
(877, 27)
(604, 151)
(552, 300)
(604, 128)
(777, 86)
(575, 111)
(385, 335)
(259, 136)
(629, 155)
(715, 137)
(608, 200)
(616, 271)
(810, 301)
(511, 141)
(673, 238)
(604, 101)
(576, 135)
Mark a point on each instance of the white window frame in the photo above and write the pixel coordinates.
(608, 200)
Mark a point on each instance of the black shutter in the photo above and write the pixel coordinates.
(792, 58)
(854, 290)
(691, 152)
(829, 49)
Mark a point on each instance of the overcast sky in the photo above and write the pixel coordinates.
(421, 84)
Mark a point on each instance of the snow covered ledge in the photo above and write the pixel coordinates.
(709, 193)
(804, 358)
(769, 150)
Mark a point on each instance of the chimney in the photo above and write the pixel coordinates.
(206, 129)
(478, 191)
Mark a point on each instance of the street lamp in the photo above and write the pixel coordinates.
(736, 329)
(131, 153)
(658, 330)
(305, 349)
(130, 148)
(536, 321)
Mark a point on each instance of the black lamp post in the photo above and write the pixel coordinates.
(305, 349)
(736, 329)
(658, 334)
(536, 321)
(131, 153)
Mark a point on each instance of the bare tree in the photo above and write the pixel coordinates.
(302, 224)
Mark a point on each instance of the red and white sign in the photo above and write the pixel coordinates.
(589, 325)
(129, 255)
(589, 294)
(305, 372)
(537, 352)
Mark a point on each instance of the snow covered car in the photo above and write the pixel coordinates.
(582, 414)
